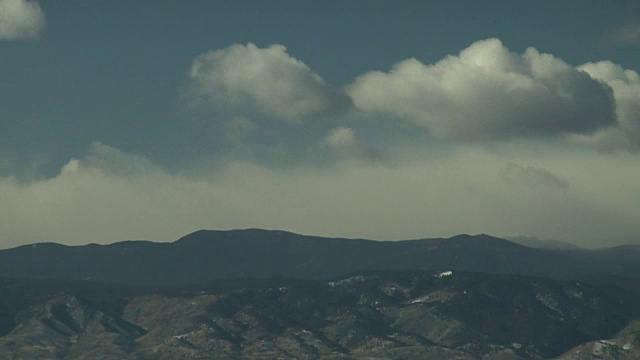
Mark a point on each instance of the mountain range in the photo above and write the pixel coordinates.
(259, 294)
(209, 255)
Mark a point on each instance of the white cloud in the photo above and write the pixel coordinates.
(488, 92)
(99, 198)
(485, 93)
(626, 89)
(20, 19)
(268, 79)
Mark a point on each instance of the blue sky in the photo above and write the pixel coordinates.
(387, 120)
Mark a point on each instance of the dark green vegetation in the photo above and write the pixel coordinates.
(269, 294)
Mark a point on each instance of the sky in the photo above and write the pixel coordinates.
(124, 120)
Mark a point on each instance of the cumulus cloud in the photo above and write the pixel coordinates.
(269, 79)
(485, 93)
(532, 177)
(626, 90)
(489, 92)
(20, 19)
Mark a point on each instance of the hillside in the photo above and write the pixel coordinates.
(399, 315)
(209, 255)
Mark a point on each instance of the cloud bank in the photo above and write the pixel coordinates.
(108, 195)
(20, 20)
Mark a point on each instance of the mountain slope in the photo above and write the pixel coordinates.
(399, 315)
(207, 255)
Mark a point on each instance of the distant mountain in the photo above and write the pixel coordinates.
(548, 244)
(208, 255)
(375, 314)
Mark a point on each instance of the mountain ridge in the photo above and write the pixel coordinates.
(207, 255)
